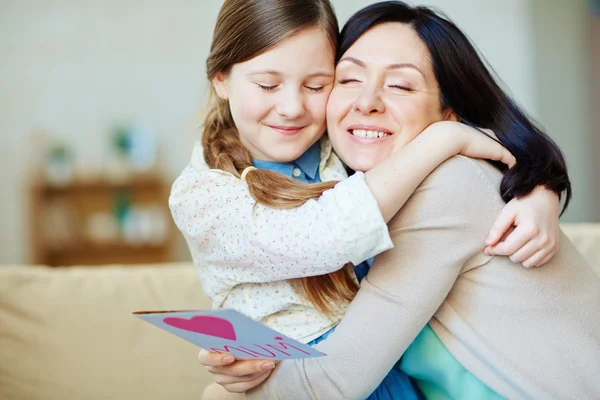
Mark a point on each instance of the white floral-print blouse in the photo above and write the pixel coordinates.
(245, 253)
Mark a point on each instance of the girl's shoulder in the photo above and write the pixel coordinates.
(198, 168)
(199, 184)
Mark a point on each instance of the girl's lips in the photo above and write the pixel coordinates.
(287, 130)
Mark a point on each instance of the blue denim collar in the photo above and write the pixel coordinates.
(307, 162)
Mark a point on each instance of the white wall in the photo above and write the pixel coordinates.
(563, 90)
(75, 68)
(595, 74)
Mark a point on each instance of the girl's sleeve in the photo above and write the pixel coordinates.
(441, 227)
(223, 225)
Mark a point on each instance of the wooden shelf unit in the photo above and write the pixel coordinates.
(79, 201)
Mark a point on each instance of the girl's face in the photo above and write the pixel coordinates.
(278, 98)
(384, 96)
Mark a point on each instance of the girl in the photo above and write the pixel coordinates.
(284, 267)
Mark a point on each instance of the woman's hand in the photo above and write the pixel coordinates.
(467, 141)
(235, 376)
(534, 240)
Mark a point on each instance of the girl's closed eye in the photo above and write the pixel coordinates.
(268, 88)
(315, 89)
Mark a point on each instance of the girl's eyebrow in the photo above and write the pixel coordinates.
(277, 73)
(264, 72)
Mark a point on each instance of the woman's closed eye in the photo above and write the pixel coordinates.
(406, 88)
(348, 80)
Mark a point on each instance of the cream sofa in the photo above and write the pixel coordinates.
(68, 333)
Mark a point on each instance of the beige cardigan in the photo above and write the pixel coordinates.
(526, 333)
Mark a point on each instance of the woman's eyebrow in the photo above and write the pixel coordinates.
(353, 61)
(391, 66)
(404, 65)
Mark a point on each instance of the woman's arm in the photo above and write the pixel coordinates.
(223, 225)
(439, 229)
(537, 212)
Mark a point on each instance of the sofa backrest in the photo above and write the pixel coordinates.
(586, 238)
(68, 333)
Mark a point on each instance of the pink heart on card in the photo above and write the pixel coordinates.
(204, 324)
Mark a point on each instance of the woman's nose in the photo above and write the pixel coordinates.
(369, 102)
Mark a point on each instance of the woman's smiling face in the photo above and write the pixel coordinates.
(385, 95)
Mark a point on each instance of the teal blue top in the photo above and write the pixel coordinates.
(438, 374)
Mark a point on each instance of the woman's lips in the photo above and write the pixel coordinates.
(287, 130)
(368, 133)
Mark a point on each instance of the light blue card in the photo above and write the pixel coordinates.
(228, 331)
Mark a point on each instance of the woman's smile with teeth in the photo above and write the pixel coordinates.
(368, 133)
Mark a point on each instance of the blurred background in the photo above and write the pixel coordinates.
(99, 106)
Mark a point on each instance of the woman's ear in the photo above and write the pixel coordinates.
(219, 82)
(449, 115)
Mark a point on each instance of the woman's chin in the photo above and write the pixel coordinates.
(362, 164)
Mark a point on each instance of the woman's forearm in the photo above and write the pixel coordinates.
(357, 359)
(441, 227)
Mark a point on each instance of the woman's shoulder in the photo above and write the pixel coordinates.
(461, 188)
(466, 176)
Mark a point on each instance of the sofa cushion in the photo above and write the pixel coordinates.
(586, 238)
(68, 333)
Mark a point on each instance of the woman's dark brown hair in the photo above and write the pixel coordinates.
(468, 89)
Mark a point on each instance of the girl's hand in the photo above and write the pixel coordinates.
(467, 141)
(534, 240)
(235, 376)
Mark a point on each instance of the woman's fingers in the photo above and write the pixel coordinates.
(235, 376)
(242, 368)
(214, 359)
(226, 379)
(241, 387)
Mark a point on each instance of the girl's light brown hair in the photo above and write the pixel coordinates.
(244, 30)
